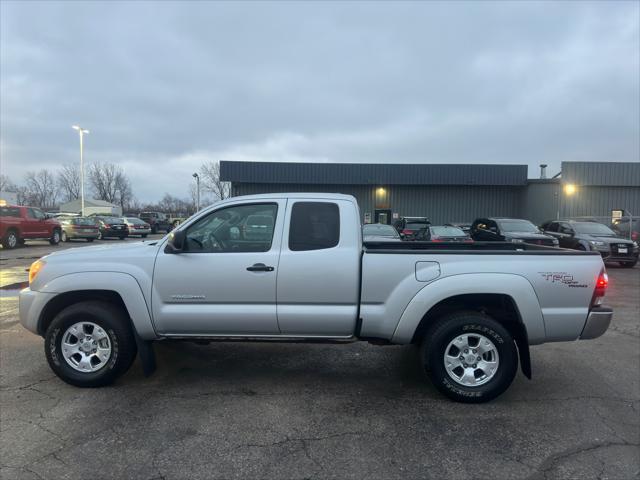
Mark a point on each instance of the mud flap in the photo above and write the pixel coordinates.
(146, 354)
(525, 357)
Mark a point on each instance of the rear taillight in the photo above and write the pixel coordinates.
(601, 288)
(407, 232)
(634, 236)
(436, 239)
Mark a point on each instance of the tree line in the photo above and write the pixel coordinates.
(47, 189)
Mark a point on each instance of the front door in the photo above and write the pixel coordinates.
(383, 216)
(36, 226)
(224, 282)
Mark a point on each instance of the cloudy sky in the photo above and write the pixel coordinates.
(165, 86)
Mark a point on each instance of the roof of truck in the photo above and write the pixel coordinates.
(310, 195)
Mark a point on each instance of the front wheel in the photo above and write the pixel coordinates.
(90, 344)
(629, 264)
(469, 357)
(65, 237)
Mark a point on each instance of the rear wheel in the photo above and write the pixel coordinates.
(469, 357)
(65, 237)
(90, 344)
(55, 237)
(629, 264)
(11, 239)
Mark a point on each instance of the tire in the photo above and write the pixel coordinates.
(11, 239)
(64, 237)
(629, 264)
(90, 240)
(464, 328)
(55, 237)
(114, 324)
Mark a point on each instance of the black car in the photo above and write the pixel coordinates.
(157, 220)
(593, 236)
(443, 233)
(510, 230)
(111, 227)
(408, 227)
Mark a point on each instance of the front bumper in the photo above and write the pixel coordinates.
(30, 306)
(597, 322)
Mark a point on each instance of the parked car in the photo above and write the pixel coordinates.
(380, 232)
(79, 227)
(465, 227)
(408, 227)
(157, 220)
(627, 228)
(593, 236)
(137, 227)
(111, 227)
(443, 233)
(19, 223)
(513, 230)
(312, 279)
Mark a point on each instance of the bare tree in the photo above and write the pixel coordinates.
(69, 182)
(211, 182)
(41, 188)
(110, 183)
(6, 185)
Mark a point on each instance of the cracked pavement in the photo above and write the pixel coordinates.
(255, 410)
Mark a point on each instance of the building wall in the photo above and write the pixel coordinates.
(599, 201)
(441, 204)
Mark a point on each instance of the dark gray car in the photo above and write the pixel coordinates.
(593, 236)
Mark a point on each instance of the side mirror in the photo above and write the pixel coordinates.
(175, 244)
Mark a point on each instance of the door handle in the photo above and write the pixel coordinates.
(260, 267)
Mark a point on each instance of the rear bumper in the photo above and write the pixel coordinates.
(597, 322)
(114, 233)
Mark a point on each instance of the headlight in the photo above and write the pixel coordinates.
(596, 243)
(517, 240)
(35, 268)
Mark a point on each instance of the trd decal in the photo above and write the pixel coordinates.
(562, 278)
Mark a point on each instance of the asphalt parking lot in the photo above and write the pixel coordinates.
(243, 410)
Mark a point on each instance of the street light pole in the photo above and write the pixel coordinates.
(197, 177)
(81, 132)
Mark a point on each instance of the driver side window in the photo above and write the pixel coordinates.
(241, 228)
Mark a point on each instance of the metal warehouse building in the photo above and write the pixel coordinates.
(451, 192)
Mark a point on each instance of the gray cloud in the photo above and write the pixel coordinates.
(164, 86)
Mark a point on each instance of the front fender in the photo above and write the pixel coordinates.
(515, 286)
(123, 284)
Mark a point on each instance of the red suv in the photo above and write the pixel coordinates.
(18, 224)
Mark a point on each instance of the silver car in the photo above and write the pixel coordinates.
(137, 227)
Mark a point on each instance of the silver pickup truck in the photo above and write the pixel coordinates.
(294, 267)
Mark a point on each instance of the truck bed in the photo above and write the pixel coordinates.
(480, 248)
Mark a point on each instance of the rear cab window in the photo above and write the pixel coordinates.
(314, 226)
(10, 212)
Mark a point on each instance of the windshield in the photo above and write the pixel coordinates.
(592, 228)
(134, 220)
(447, 232)
(380, 230)
(111, 220)
(518, 226)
